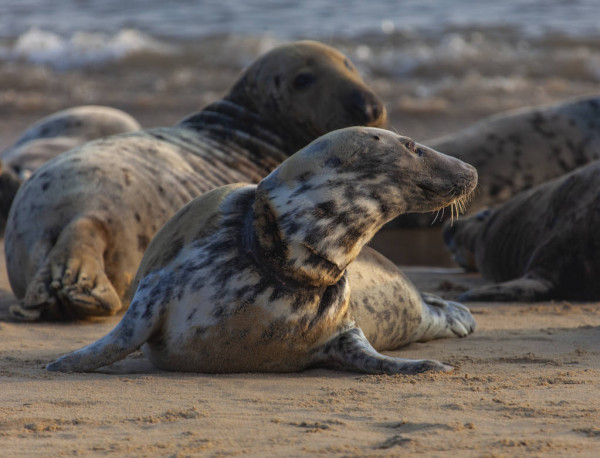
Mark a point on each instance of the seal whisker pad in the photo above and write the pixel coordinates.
(262, 278)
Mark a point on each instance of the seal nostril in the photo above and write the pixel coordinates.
(357, 100)
(375, 111)
(365, 103)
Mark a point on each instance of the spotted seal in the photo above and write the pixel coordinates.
(520, 149)
(259, 277)
(541, 244)
(97, 207)
(50, 136)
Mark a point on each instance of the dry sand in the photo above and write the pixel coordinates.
(525, 383)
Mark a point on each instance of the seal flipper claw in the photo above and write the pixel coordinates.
(87, 298)
(351, 350)
(518, 290)
(73, 276)
(442, 318)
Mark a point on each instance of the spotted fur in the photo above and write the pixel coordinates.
(51, 136)
(518, 150)
(539, 245)
(97, 207)
(262, 279)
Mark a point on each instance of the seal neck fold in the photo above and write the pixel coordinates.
(270, 248)
(234, 124)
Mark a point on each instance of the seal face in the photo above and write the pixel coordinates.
(256, 278)
(520, 149)
(97, 207)
(52, 136)
(539, 245)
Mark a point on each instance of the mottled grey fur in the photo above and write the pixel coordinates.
(51, 136)
(517, 150)
(259, 278)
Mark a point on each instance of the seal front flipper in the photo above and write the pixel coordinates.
(521, 289)
(442, 318)
(351, 351)
(72, 281)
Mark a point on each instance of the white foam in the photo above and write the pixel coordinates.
(82, 48)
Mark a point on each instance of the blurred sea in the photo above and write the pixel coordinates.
(69, 33)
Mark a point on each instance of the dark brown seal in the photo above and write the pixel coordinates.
(541, 244)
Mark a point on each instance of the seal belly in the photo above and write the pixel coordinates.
(384, 303)
(263, 336)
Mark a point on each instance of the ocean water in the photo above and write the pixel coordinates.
(70, 33)
(438, 64)
(287, 19)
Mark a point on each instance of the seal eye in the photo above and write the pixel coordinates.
(304, 80)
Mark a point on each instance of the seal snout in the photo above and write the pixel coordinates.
(468, 181)
(367, 105)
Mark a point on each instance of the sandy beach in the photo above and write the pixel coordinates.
(526, 383)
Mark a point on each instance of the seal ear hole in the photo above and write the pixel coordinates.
(348, 64)
(304, 80)
(375, 137)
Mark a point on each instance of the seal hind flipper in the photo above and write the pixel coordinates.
(136, 327)
(518, 290)
(352, 351)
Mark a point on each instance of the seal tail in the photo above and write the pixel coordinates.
(136, 327)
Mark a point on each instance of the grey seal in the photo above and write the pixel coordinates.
(517, 150)
(261, 278)
(51, 136)
(539, 245)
